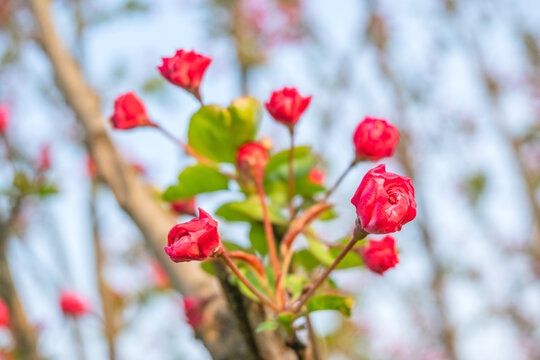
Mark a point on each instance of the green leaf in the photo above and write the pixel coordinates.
(352, 259)
(153, 85)
(305, 259)
(196, 180)
(269, 324)
(257, 237)
(329, 214)
(331, 302)
(271, 276)
(475, 187)
(253, 279)
(216, 132)
(295, 283)
(21, 182)
(286, 320)
(249, 210)
(210, 134)
(278, 165)
(320, 251)
(306, 188)
(230, 246)
(246, 115)
(327, 255)
(208, 267)
(47, 189)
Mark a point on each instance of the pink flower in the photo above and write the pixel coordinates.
(73, 304)
(193, 307)
(129, 112)
(380, 256)
(185, 69)
(375, 139)
(196, 239)
(316, 176)
(384, 201)
(44, 161)
(4, 314)
(251, 159)
(184, 207)
(287, 105)
(4, 118)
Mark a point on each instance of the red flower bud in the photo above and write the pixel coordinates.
(4, 118)
(184, 207)
(193, 310)
(316, 176)
(73, 304)
(185, 69)
(4, 314)
(196, 239)
(287, 105)
(129, 112)
(251, 159)
(382, 255)
(384, 201)
(375, 139)
(44, 161)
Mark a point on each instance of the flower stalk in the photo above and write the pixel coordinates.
(292, 211)
(246, 282)
(357, 237)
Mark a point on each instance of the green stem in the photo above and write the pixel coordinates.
(327, 272)
(291, 174)
(340, 179)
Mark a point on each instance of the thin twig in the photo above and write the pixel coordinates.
(79, 343)
(249, 259)
(187, 149)
(246, 282)
(291, 174)
(340, 179)
(103, 289)
(268, 227)
(327, 272)
(296, 227)
(313, 339)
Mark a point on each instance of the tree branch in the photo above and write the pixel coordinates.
(222, 340)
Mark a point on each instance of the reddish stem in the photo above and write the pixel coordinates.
(243, 279)
(252, 260)
(268, 227)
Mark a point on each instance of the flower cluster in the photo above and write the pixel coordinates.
(271, 183)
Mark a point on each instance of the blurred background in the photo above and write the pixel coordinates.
(459, 78)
